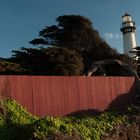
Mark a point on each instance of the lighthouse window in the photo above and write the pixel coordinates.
(128, 30)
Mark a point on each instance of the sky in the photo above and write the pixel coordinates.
(21, 20)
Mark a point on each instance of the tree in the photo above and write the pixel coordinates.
(72, 31)
(73, 46)
(77, 46)
(49, 61)
(76, 32)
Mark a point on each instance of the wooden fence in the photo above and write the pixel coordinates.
(44, 95)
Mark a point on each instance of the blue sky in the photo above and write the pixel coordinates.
(21, 20)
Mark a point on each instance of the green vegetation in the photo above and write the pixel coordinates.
(17, 123)
(10, 68)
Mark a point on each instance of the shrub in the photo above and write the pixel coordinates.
(17, 123)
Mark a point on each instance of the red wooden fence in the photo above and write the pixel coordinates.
(44, 95)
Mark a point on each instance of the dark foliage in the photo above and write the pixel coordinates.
(49, 61)
(136, 57)
(72, 31)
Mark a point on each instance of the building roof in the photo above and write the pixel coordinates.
(126, 14)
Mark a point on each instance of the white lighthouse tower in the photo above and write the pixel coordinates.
(128, 31)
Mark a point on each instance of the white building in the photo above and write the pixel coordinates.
(128, 31)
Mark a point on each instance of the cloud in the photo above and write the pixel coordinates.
(110, 36)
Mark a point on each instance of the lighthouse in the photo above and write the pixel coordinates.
(128, 30)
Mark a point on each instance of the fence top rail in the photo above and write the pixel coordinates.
(68, 76)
